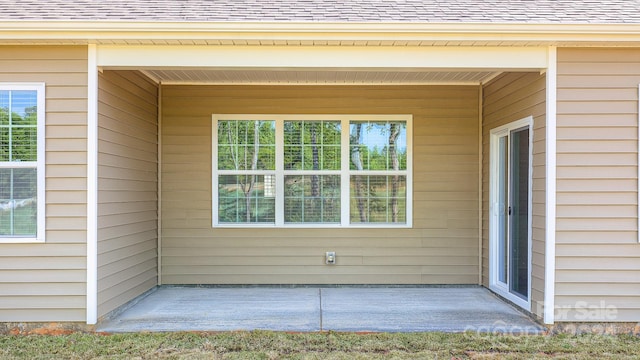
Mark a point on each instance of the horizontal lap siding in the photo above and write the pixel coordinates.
(598, 256)
(511, 97)
(442, 247)
(127, 188)
(46, 282)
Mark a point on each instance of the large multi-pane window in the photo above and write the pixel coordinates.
(311, 171)
(21, 159)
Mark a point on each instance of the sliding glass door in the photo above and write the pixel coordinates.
(510, 225)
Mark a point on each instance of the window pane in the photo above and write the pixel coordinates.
(246, 199)
(312, 145)
(24, 143)
(246, 145)
(378, 145)
(4, 107)
(18, 131)
(24, 105)
(4, 143)
(18, 202)
(378, 199)
(312, 199)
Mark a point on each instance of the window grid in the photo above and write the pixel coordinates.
(369, 202)
(326, 204)
(312, 151)
(283, 172)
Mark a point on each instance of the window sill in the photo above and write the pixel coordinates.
(20, 240)
(311, 226)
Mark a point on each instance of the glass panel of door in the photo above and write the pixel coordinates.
(513, 212)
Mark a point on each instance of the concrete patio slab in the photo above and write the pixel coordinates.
(421, 309)
(377, 309)
(220, 309)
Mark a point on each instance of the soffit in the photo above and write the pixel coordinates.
(317, 77)
(321, 65)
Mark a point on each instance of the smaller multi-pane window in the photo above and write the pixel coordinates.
(311, 170)
(21, 162)
(378, 171)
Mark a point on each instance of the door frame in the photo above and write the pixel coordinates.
(494, 284)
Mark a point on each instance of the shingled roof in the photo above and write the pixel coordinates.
(416, 11)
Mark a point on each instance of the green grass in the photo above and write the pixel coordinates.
(278, 345)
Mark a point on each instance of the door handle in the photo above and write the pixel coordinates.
(509, 211)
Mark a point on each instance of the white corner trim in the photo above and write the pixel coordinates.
(92, 186)
(550, 193)
(42, 164)
(480, 199)
(638, 163)
(159, 203)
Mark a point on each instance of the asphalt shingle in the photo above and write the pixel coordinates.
(434, 11)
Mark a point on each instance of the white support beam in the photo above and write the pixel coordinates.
(550, 191)
(92, 187)
(456, 58)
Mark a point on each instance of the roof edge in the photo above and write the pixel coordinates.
(122, 30)
(267, 26)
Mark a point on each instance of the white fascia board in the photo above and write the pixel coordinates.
(96, 30)
(301, 33)
(323, 57)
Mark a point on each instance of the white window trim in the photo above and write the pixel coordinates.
(344, 172)
(40, 163)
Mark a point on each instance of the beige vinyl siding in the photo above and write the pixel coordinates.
(46, 282)
(511, 97)
(441, 248)
(598, 255)
(127, 187)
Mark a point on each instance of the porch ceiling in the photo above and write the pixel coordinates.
(318, 77)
